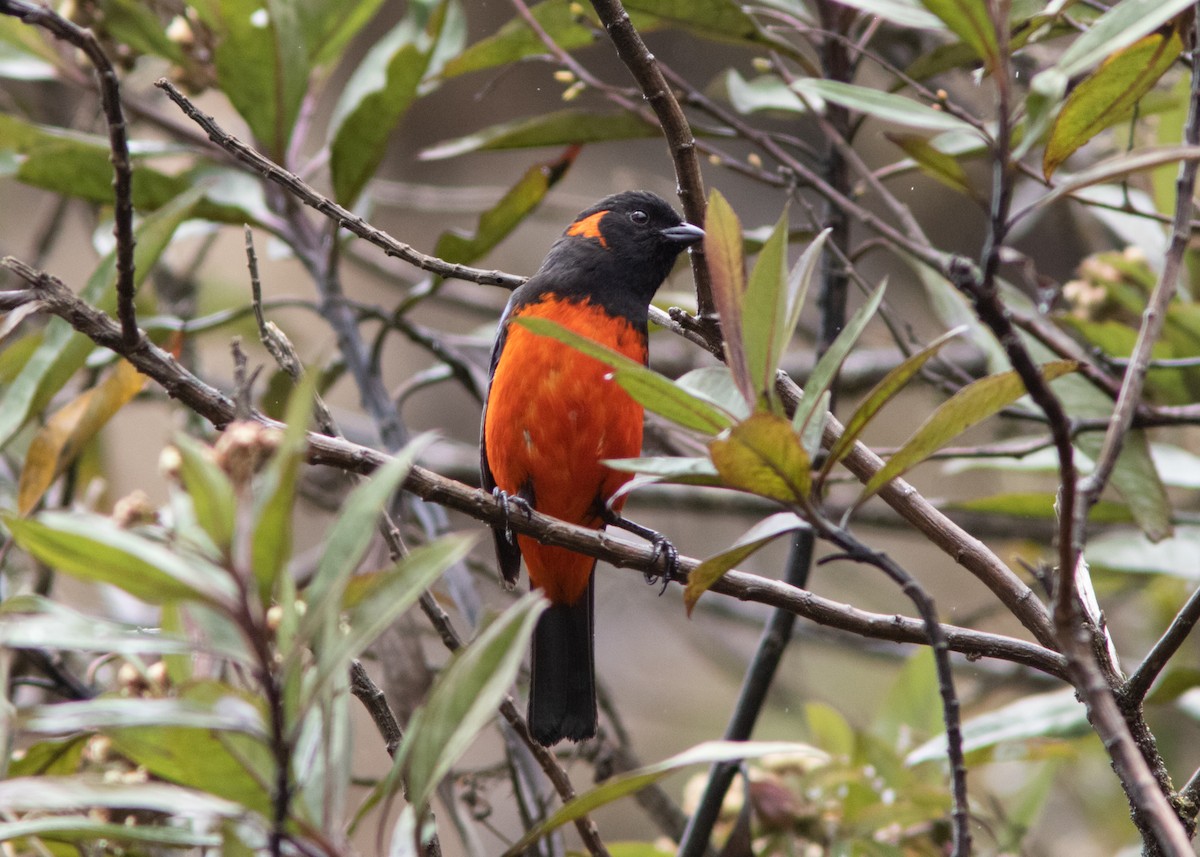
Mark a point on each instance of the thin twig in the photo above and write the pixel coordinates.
(118, 144)
(1135, 690)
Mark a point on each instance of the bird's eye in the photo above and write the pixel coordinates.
(639, 217)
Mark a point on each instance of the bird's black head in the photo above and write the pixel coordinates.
(618, 251)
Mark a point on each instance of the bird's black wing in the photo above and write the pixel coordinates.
(508, 554)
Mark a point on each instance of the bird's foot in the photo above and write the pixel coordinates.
(661, 544)
(508, 502)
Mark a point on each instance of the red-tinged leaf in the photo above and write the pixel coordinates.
(969, 20)
(713, 569)
(763, 456)
(883, 392)
(968, 407)
(63, 436)
(1108, 95)
(726, 267)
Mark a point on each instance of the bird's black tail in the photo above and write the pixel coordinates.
(562, 686)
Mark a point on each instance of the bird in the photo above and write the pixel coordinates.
(553, 415)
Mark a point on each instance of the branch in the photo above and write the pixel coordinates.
(118, 143)
(644, 68)
(219, 409)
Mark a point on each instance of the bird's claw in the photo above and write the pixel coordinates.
(507, 501)
(663, 548)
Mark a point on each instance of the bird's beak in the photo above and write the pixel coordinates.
(684, 234)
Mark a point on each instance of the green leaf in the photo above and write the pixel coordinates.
(464, 698)
(680, 471)
(62, 350)
(767, 92)
(939, 165)
(648, 388)
(893, 109)
(1134, 553)
(765, 312)
(384, 597)
(632, 782)
(727, 268)
(88, 831)
(1034, 504)
(714, 19)
(275, 497)
(93, 548)
(970, 21)
(912, 704)
(968, 407)
(329, 25)
(521, 200)
(64, 718)
(262, 62)
(64, 794)
(1028, 721)
(563, 128)
(703, 576)
(1108, 95)
(135, 24)
(347, 541)
(209, 490)
(823, 374)
(1115, 30)
(900, 12)
(799, 280)
(569, 25)
(715, 384)
(378, 95)
(882, 393)
(763, 456)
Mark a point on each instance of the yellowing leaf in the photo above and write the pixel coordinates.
(1108, 95)
(65, 433)
(763, 456)
(969, 406)
(712, 569)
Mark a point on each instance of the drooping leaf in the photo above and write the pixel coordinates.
(821, 379)
(900, 12)
(763, 455)
(93, 548)
(632, 782)
(882, 393)
(1108, 95)
(64, 718)
(464, 698)
(86, 830)
(563, 128)
(68, 793)
(648, 388)
(701, 578)
(885, 106)
(935, 163)
(970, 21)
(727, 269)
(378, 95)
(498, 221)
(262, 61)
(766, 92)
(968, 407)
(63, 351)
(60, 440)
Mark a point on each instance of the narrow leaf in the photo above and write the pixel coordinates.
(727, 268)
(701, 579)
(632, 782)
(882, 393)
(209, 489)
(93, 548)
(893, 109)
(64, 794)
(464, 698)
(1118, 28)
(935, 163)
(564, 128)
(765, 312)
(968, 407)
(831, 361)
(88, 831)
(970, 21)
(899, 12)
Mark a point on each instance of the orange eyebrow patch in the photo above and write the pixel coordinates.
(589, 227)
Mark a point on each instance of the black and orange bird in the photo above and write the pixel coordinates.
(553, 415)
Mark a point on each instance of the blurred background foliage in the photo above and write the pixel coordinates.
(181, 607)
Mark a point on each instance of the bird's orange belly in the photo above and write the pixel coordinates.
(553, 415)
